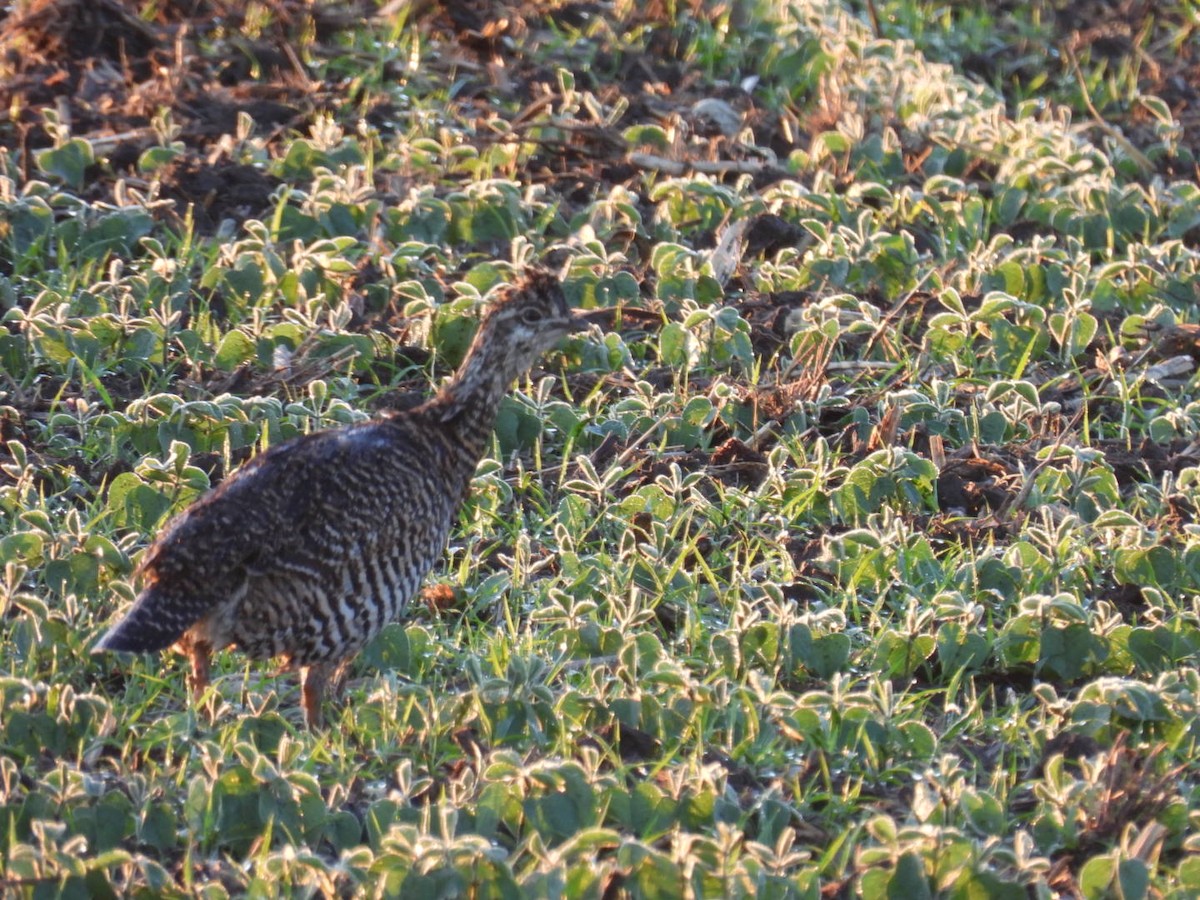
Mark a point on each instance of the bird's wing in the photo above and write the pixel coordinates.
(229, 528)
(206, 555)
(326, 495)
(299, 511)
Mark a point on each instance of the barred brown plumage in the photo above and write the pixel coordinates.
(308, 550)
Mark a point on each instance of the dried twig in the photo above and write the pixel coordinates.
(727, 255)
(1139, 158)
(1017, 500)
(705, 167)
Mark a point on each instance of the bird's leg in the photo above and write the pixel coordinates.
(337, 679)
(312, 690)
(198, 652)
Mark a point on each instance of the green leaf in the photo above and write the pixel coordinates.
(517, 427)
(23, 545)
(835, 142)
(1011, 276)
(134, 504)
(1160, 648)
(390, 650)
(823, 655)
(1133, 875)
(1156, 565)
(1116, 518)
(1189, 874)
(1015, 346)
(159, 827)
(452, 336)
(760, 644)
(873, 885)
(677, 346)
(909, 881)
(1020, 640)
(68, 163)
(555, 816)
(651, 813)
(959, 649)
(655, 876)
(983, 811)
(1096, 877)
(235, 348)
(986, 886)
(898, 655)
(1068, 653)
(155, 158)
(1126, 699)
(653, 136)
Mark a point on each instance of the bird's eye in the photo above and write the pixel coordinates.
(531, 316)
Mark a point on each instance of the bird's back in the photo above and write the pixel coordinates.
(307, 551)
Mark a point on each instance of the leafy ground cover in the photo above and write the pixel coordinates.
(855, 555)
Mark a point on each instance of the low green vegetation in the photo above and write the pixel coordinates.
(856, 554)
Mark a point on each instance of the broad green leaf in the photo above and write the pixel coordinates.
(1068, 653)
(909, 881)
(235, 348)
(67, 163)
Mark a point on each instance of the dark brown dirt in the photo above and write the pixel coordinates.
(974, 486)
(107, 73)
(223, 190)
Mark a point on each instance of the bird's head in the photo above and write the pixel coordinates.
(530, 317)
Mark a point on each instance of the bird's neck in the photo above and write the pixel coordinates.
(467, 404)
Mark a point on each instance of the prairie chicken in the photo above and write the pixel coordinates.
(308, 550)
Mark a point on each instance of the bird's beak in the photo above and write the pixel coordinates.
(583, 319)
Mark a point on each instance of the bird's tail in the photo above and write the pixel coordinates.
(152, 623)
